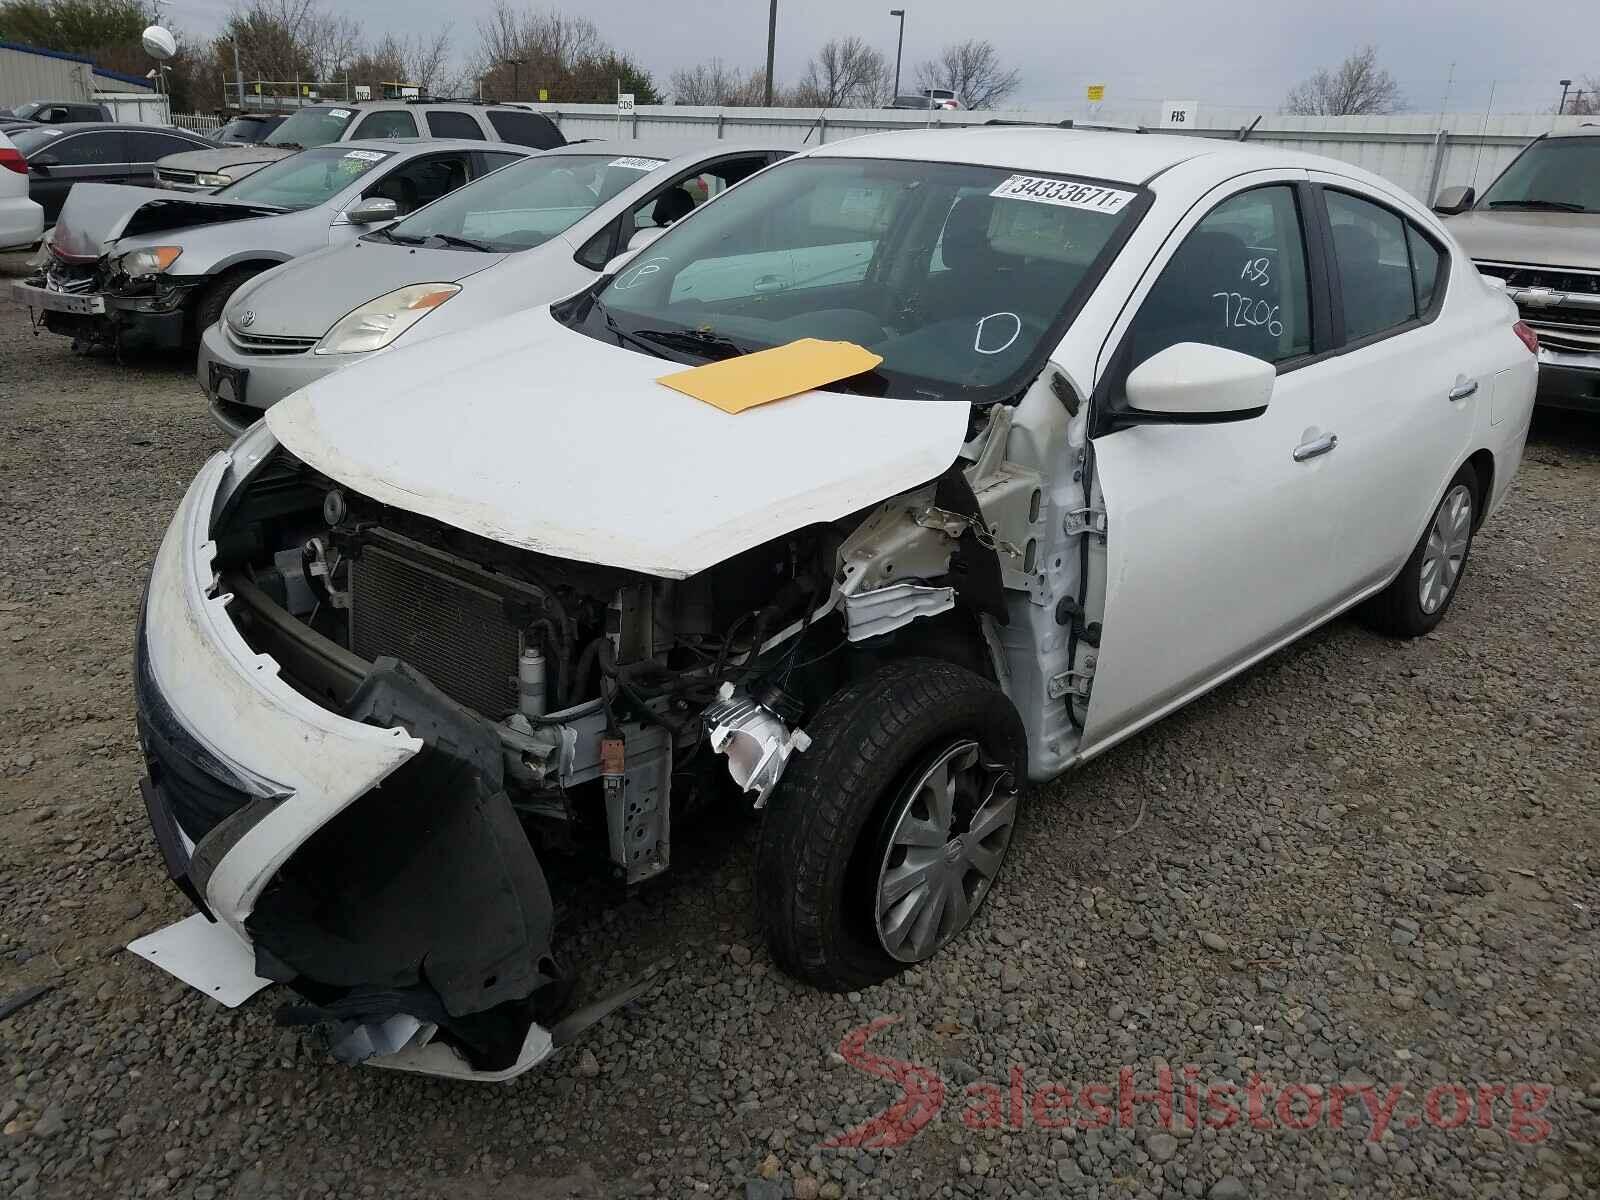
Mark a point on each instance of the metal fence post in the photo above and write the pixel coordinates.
(1441, 147)
(719, 124)
(822, 129)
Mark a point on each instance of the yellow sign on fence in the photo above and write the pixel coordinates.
(1097, 92)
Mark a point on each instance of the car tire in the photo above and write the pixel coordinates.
(1418, 598)
(215, 295)
(837, 832)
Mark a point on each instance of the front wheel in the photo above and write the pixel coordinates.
(1420, 595)
(886, 835)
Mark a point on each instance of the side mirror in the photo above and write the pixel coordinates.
(643, 237)
(42, 164)
(1198, 384)
(1454, 200)
(372, 211)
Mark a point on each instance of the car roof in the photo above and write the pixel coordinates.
(421, 143)
(93, 126)
(664, 148)
(1125, 157)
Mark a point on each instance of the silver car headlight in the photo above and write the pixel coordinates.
(152, 260)
(213, 180)
(378, 322)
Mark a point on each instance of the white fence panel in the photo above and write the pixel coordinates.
(1407, 150)
(197, 122)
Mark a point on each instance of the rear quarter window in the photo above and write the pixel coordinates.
(453, 125)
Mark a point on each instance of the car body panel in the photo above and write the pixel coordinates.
(515, 447)
(21, 217)
(98, 214)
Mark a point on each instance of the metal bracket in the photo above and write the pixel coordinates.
(1086, 520)
(1078, 683)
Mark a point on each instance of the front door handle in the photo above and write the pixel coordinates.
(1462, 391)
(1321, 446)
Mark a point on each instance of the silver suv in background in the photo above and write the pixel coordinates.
(322, 124)
(1537, 227)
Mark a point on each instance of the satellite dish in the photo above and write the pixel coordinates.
(159, 43)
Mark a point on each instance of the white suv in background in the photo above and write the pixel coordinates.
(21, 220)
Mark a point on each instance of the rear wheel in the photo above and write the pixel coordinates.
(886, 835)
(1421, 594)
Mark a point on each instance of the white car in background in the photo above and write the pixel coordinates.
(1057, 431)
(21, 219)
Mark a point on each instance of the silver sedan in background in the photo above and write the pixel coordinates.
(141, 268)
(527, 235)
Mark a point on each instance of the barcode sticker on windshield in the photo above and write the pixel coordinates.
(341, 113)
(1064, 192)
(636, 164)
(367, 155)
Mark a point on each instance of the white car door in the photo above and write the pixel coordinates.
(1220, 535)
(1410, 378)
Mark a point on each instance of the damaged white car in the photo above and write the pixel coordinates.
(1143, 409)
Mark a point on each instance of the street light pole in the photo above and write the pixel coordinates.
(1565, 84)
(772, 46)
(899, 46)
(516, 76)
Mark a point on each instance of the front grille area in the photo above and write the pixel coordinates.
(439, 618)
(257, 343)
(1572, 325)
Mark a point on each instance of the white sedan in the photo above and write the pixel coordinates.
(914, 466)
(21, 219)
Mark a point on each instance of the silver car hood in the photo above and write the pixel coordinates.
(97, 214)
(212, 161)
(305, 300)
(1545, 239)
(536, 436)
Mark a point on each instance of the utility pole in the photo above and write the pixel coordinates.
(238, 75)
(1565, 84)
(899, 46)
(516, 76)
(772, 46)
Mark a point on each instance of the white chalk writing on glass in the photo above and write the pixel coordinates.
(1257, 271)
(1246, 312)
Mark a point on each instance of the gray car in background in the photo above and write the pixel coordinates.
(1537, 227)
(532, 233)
(324, 124)
(142, 268)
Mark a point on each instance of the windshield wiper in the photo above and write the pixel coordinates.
(450, 239)
(621, 334)
(399, 239)
(1546, 205)
(696, 341)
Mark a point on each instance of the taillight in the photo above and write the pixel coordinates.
(1530, 339)
(11, 159)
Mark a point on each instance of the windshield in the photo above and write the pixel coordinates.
(29, 140)
(961, 277)
(312, 127)
(1558, 174)
(26, 111)
(304, 180)
(525, 204)
(240, 130)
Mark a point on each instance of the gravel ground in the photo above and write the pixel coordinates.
(1364, 862)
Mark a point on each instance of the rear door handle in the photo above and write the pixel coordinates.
(1321, 446)
(1462, 391)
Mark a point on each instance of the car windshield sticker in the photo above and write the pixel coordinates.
(367, 155)
(342, 113)
(637, 164)
(1064, 192)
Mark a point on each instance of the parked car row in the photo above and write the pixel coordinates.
(865, 482)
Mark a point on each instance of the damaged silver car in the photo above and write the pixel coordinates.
(913, 467)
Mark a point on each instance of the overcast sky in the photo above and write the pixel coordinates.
(1246, 52)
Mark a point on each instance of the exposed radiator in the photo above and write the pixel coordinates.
(442, 621)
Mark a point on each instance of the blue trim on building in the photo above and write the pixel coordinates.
(136, 79)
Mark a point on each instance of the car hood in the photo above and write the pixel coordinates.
(1546, 239)
(306, 299)
(97, 214)
(211, 161)
(539, 437)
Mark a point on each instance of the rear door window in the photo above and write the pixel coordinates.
(525, 128)
(386, 123)
(1390, 271)
(448, 124)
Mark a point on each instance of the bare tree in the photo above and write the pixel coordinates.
(717, 83)
(973, 71)
(845, 72)
(1359, 87)
(1584, 101)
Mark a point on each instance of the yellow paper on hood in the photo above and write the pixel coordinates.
(735, 384)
